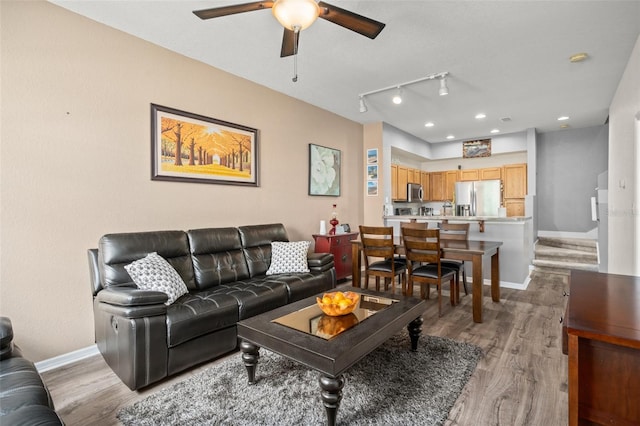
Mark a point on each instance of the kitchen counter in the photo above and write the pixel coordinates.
(420, 218)
(515, 233)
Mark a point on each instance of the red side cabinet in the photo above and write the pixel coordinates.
(340, 246)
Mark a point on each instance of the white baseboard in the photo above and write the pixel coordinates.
(68, 358)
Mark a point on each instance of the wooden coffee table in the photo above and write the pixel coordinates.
(381, 315)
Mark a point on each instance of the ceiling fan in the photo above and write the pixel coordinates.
(297, 15)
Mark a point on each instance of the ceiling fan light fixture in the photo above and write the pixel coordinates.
(295, 14)
(444, 90)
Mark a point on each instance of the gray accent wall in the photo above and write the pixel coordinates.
(568, 164)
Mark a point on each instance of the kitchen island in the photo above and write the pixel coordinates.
(515, 233)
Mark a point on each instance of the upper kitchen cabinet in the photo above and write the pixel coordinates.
(403, 179)
(437, 183)
(469, 174)
(394, 182)
(425, 180)
(515, 180)
(490, 173)
(451, 177)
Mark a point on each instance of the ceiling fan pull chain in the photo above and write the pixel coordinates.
(295, 68)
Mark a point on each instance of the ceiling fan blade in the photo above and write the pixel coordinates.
(217, 12)
(290, 40)
(352, 21)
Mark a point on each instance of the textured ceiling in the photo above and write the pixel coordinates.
(505, 58)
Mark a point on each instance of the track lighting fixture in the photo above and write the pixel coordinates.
(444, 90)
(363, 106)
(397, 98)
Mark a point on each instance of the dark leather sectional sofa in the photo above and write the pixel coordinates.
(143, 340)
(24, 398)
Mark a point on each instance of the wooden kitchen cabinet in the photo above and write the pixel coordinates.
(514, 206)
(469, 174)
(515, 180)
(340, 246)
(490, 173)
(451, 177)
(401, 184)
(394, 182)
(425, 180)
(413, 176)
(437, 181)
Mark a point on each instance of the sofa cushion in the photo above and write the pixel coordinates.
(256, 243)
(217, 256)
(256, 295)
(117, 250)
(288, 258)
(199, 313)
(155, 273)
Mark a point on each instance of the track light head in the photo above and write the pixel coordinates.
(444, 90)
(363, 106)
(397, 98)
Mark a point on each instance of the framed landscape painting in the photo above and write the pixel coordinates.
(477, 148)
(324, 170)
(187, 147)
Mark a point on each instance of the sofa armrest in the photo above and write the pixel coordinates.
(320, 262)
(129, 302)
(131, 296)
(6, 338)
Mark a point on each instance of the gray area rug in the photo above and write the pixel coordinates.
(391, 386)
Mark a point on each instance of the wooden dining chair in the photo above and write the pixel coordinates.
(423, 246)
(377, 243)
(460, 232)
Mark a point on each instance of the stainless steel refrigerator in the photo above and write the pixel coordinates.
(479, 198)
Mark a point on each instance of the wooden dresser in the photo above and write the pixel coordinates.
(603, 330)
(340, 246)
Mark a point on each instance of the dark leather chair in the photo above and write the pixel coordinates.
(24, 398)
(377, 242)
(422, 250)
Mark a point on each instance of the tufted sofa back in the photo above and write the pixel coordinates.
(204, 258)
(256, 241)
(217, 256)
(117, 250)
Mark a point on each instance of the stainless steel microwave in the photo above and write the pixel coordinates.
(414, 192)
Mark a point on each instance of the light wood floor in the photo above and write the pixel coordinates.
(522, 379)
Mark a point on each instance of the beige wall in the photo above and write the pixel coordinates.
(624, 175)
(75, 161)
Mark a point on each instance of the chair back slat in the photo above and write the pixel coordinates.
(421, 245)
(454, 231)
(377, 241)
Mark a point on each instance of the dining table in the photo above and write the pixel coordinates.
(473, 251)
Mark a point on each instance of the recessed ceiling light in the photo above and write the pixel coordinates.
(578, 57)
(480, 116)
(563, 118)
(564, 126)
(495, 131)
(429, 124)
(450, 137)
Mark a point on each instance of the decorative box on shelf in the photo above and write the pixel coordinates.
(340, 246)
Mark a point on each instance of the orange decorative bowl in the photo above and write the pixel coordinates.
(338, 303)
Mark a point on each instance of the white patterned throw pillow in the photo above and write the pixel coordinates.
(153, 272)
(288, 258)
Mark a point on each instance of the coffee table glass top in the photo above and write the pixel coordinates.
(312, 320)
